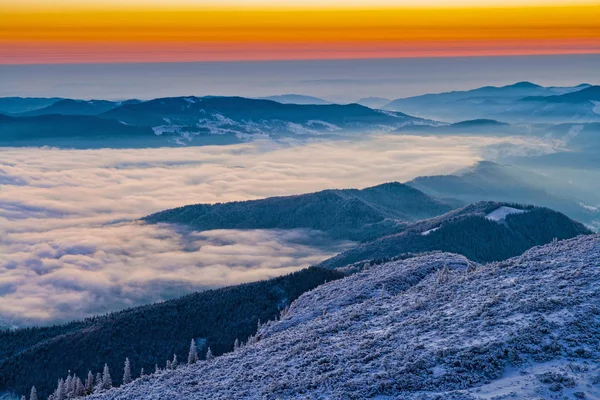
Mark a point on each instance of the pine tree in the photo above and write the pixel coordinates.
(142, 372)
(127, 372)
(69, 386)
(79, 389)
(23, 397)
(236, 345)
(60, 390)
(106, 379)
(33, 394)
(175, 363)
(168, 364)
(99, 384)
(209, 355)
(89, 383)
(156, 369)
(193, 354)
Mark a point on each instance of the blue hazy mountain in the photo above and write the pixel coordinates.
(483, 232)
(489, 102)
(254, 116)
(78, 107)
(488, 181)
(349, 213)
(478, 127)
(187, 121)
(296, 99)
(17, 105)
(373, 102)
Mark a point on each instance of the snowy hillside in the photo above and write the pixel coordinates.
(432, 327)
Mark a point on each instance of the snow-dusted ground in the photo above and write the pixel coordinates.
(432, 327)
(501, 213)
(428, 231)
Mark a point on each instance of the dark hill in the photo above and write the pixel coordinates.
(349, 213)
(470, 232)
(75, 107)
(17, 105)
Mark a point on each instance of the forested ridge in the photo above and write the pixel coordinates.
(147, 335)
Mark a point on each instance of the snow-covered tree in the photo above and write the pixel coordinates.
(174, 363)
(142, 372)
(193, 354)
(127, 372)
(60, 393)
(209, 355)
(99, 384)
(89, 383)
(69, 386)
(156, 369)
(106, 379)
(168, 364)
(33, 394)
(236, 345)
(79, 389)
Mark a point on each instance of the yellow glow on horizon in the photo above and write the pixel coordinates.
(195, 5)
(243, 34)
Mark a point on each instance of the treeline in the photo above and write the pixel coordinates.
(471, 235)
(147, 335)
(348, 214)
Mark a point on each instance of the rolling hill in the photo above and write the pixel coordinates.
(502, 103)
(18, 105)
(349, 214)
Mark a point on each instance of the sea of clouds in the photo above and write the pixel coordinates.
(71, 245)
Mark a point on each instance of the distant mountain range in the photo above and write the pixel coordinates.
(296, 99)
(520, 102)
(348, 214)
(17, 105)
(374, 102)
(178, 121)
(189, 121)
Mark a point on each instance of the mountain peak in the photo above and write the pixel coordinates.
(524, 85)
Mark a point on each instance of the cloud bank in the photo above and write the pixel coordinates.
(70, 245)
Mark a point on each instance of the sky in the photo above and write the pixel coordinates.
(335, 80)
(94, 31)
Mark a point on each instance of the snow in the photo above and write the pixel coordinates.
(589, 207)
(501, 213)
(596, 108)
(190, 100)
(427, 232)
(424, 328)
(330, 127)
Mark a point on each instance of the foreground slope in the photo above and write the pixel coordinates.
(432, 327)
(147, 335)
(350, 213)
(484, 232)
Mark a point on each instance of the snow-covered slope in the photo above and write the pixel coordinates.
(432, 327)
